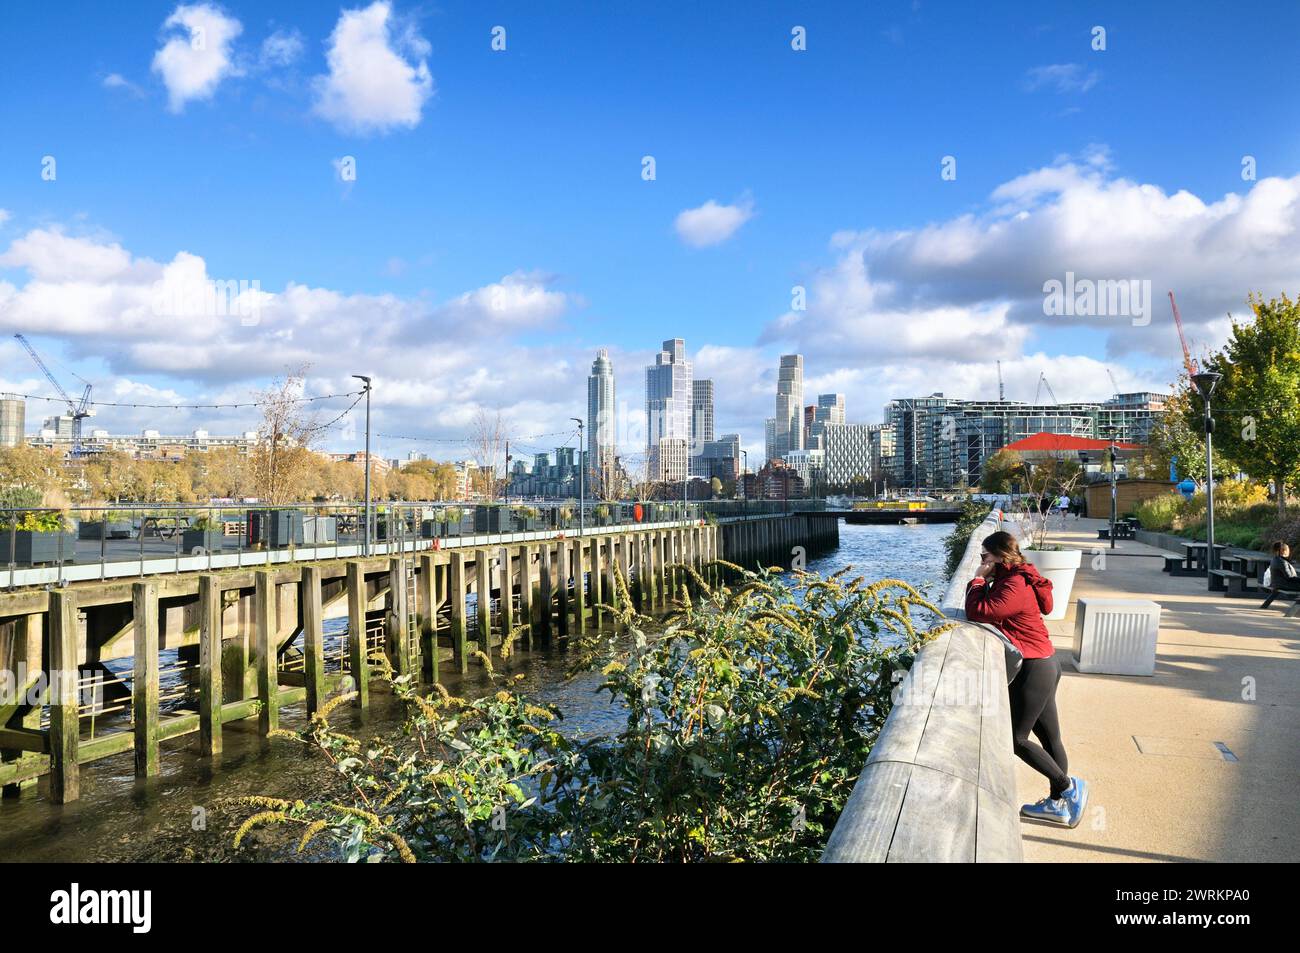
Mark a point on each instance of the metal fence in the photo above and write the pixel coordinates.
(51, 546)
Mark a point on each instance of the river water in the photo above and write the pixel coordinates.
(175, 816)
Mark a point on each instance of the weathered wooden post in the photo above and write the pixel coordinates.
(593, 575)
(456, 596)
(268, 676)
(399, 619)
(483, 584)
(527, 604)
(313, 637)
(609, 588)
(65, 775)
(562, 584)
(545, 591)
(428, 609)
(210, 687)
(507, 595)
(579, 588)
(358, 653)
(144, 685)
(29, 667)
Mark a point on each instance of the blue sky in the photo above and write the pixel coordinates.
(527, 163)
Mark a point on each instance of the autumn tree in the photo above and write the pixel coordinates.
(487, 445)
(283, 457)
(1002, 471)
(1260, 394)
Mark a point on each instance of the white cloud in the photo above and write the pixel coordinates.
(1061, 77)
(281, 48)
(371, 85)
(975, 283)
(434, 362)
(118, 81)
(194, 62)
(711, 223)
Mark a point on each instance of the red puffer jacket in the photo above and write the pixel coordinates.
(1015, 601)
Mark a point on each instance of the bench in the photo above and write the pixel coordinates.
(1229, 583)
(1174, 564)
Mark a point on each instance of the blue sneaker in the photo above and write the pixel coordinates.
(1076, 799)
(1049, 809)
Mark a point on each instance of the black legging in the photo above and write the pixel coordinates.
(1285, 584)
(1033, 709)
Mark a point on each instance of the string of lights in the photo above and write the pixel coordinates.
(255, 403)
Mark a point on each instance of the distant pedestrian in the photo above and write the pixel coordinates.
(1281, 575)
(1008, 592)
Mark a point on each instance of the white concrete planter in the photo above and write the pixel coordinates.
(1058, 565)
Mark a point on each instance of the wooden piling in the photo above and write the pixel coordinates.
(456, 595)
(507, 596)
(483, 584)
(527, 608)
(427, 599)
(579, 588)
(210, 686)
(399, 619)
(358, 655)
(594, 577)
(313, 637)
(268, 675)
(545, 592)
(65, 775)
(144, 684)
(562, 585)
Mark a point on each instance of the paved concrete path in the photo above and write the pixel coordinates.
(1161, 790)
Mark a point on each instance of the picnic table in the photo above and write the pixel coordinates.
(1250, 564)
(1194, 560)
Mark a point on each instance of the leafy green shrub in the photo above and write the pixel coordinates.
(748, 721)
(1160, 513)
(973, 513)
(34, 521)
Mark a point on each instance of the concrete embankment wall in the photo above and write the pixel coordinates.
(939, 785)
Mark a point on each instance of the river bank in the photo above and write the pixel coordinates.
(174, 816)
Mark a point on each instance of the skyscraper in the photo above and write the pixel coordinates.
(13, 420)
(668, 396)
(787, 432)
(701, 424)
(828, 410)
(601, 437)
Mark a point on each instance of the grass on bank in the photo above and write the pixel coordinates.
(1244, 517)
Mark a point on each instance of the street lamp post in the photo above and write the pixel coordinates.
(582, 498)
(1206, 382)
(1114, 484)
(365, 545)
(744, 495)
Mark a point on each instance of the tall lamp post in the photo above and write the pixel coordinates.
(1114, 484)
(581, 490)
(365, 545)
(1206, 382)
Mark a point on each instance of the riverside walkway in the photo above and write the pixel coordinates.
(1161, 787)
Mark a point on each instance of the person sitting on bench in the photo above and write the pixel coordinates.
(1281, 574)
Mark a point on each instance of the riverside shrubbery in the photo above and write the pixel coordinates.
(749, 718)
(1243, 516)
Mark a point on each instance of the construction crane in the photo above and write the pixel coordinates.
(1002, 394)
(1042, 382)
(1113, 383)
(78, 411)
(1187, 354)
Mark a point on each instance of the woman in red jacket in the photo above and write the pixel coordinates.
(1010, 594)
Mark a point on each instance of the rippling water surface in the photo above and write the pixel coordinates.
(119, 817)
